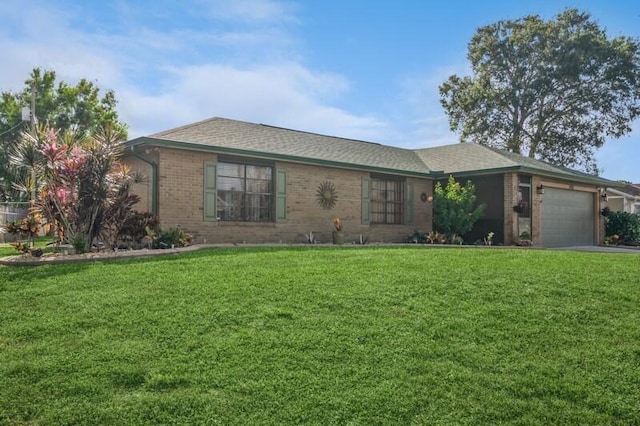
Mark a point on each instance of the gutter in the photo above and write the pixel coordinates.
(587, 179)
(155, 180)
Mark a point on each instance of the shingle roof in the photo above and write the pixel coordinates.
(463, 158)
(633, 189)
(239, 137)
(259, 138)
(473, 158)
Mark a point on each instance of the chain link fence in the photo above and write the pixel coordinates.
(8, 213)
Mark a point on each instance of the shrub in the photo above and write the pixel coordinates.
(454, 209)
(79, 244)
(173, 238)
(417, 237)
(432, 237)
(27, 227)
(625, 225)
(138, 226)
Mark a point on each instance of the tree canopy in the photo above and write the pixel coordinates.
(554, 90)
(80, 109)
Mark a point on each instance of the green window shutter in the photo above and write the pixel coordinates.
(281, 196)
(409, 205)
(210, 193)
(366, 201)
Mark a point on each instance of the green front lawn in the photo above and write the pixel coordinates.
(315, 335)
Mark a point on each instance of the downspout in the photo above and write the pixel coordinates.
(155, 182)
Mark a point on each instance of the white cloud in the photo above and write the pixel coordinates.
(286, 94)
(170, 77)
(45, 38)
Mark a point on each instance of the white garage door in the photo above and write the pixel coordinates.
(567, 218)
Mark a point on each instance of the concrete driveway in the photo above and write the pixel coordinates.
(603, 249)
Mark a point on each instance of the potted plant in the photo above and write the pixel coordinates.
(524, 239)
(520, 207)
(338, 236)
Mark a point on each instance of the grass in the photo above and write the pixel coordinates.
(376, 335)
(6, 249)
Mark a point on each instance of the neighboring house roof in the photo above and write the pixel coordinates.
(632, 189)
(242, 138)
(473, 159)
(259, 140)
(628, 191)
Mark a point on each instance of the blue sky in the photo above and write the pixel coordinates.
(361, 69)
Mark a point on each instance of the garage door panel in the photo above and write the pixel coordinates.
(567, 218)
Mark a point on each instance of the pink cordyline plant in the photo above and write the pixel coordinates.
(78, 182)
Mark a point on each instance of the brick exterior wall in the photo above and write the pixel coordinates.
(181, 176)
(142, 189)
(510, 199)
(536, 212)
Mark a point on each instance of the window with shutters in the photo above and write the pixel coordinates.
(244, 192)
(387, 200)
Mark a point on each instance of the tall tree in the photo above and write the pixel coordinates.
(78, 108)
(553, 90)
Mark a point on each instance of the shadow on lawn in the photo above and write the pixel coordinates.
(27, 274)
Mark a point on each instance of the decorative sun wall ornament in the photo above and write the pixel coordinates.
(326, 195)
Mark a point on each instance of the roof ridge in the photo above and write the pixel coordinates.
(236, 136)
(216, 118)
(507, 154)
(434, 157)
(526, 158)
(187, 126)
(458, 146)
(327, 136)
